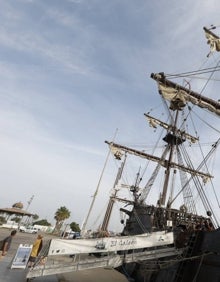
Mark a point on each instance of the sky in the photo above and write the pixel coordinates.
(73, 73)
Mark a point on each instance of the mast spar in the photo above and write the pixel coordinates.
(179, 95)
(162, 162)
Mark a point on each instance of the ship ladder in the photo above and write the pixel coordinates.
(188, 254)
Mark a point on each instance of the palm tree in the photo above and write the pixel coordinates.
(75, 226)
(60, 216)
(35, 217)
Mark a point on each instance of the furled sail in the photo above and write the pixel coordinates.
(213, 40)
(179, 95)
(154, 122)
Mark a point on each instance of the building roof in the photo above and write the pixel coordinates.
(15, 211)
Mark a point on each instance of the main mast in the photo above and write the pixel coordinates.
(172, 140)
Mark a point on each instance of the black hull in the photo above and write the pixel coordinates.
(205, 265)
(200, 260)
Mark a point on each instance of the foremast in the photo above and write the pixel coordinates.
(105, 223)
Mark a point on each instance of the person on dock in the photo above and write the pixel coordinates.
(37, 246)
(6, 243)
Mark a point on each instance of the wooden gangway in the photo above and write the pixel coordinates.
(64, 264)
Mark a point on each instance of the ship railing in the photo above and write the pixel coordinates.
(62, 264)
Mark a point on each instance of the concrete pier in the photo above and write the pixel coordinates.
(19, 275)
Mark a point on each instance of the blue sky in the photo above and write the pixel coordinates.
(73, 71)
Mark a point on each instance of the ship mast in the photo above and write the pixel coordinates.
(108, 212)
(172, 141)
(178, 96)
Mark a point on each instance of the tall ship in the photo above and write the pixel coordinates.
(170, 219)
(183, 206)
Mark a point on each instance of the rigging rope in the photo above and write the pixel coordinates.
(192, 73)
(204, 121)
(198, 269)
(214, 146)
(199, 186)
(146, 189)
(187, 193)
